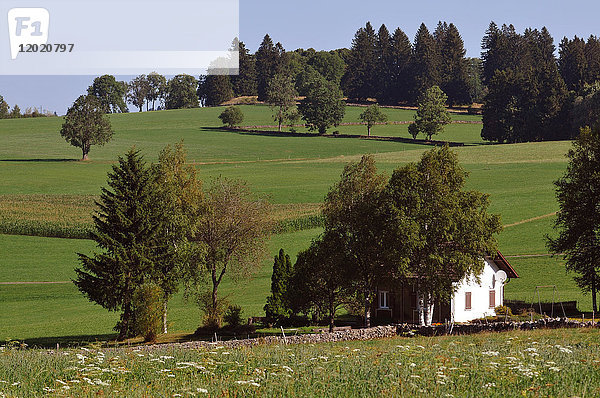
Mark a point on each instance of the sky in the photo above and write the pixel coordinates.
(331, 24)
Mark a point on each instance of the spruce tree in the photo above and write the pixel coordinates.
(425, 62)
(277, 308)
(573, 63)
(359, 82)
(213, 90)
(592, 55)
(401, 62)
(454, 67)
(270, 60)
(385, 65)
(127, 230)
(245, 83)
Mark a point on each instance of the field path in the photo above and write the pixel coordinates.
(530, 220)
(34, 283)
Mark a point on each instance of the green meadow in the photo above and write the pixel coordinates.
(42, 182)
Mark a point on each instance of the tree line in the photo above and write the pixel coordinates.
(15, 113)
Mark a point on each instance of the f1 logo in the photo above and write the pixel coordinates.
(27, 26)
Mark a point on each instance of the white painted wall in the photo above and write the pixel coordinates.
(480, 299)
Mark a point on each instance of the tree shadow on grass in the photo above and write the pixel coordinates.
(40, 160)
(270, 133)
(68, 341)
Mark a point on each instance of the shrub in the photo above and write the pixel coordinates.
(233, 316)
(503, 310)
(213, 316)
(232, 116)
(148, 311)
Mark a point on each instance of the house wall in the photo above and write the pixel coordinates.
(480, 295)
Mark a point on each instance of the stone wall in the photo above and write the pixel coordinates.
(380, 332)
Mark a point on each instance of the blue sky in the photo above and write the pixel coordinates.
(330, 24)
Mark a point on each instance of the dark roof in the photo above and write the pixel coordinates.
(503, 264)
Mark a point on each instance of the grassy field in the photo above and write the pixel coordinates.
(42, 183)
(557, 363)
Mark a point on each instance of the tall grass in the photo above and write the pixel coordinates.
(540, 363)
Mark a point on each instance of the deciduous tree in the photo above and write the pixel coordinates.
(431, 116)
(323, 106)
(86, 124)
(232, 116)
(281, 95)
(182, 92)
(110, 92)
(371, 116)
(138, 90)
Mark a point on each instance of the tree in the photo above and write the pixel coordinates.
(573, 63)
(281, 95)
(578, 218)
(4, 108)
(277, 307)
(146, 303)
(329, 64)
(233, 232)
(181, 92)
(245, 83)
(449, 229)
(157, 89)
(110, 92)
(454, 67)
(86, 124)
(232, 116)
(385, 65)
(425, 62)
(138, 90)
(355, 221)
(319, 282)
(359, 81)
(323, 106)
(401, 53)
(16, 112)
(213, 90)
(431, 116)
(270, 60)
(126, 229)
(371, 116)
(179, 196)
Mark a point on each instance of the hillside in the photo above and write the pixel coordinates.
(42, 182)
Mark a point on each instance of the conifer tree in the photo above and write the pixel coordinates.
(401, 63)
(277, 308)
(573, 63)
(454, 69)
(270, 60)
(425, 62)
(592, 55)
(359, 82)
(127, 230)
(213, 90)
(245, 83)
(384, 70)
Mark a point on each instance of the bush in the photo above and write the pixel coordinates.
(233, 316)
(147, 304)
(213, 316)
(503, 310)
(232, 116)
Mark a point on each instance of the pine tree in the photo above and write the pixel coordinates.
(425, 62)
(213, 90)
(277, 308)
(4, 108)
(126, 229)
(359, 81)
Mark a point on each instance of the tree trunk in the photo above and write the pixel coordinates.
(331, 314)
(367, 310)
(594, 305)
(280, 124)
(368, 131)
(85, 150)
(421, 308)
(124, 330)
(165, 316)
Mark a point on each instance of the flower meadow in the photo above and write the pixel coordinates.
(561, 363)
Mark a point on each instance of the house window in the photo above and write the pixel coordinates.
(383, 300)
(467, 300)
(492, 299)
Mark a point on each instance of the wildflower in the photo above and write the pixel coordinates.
(16, 383)
(412, 364)
(61, 382)
(202, 390)
(554, 368)
(490, 353)
(166, 357)
(530, 349)
(489, 385)
(415, 376)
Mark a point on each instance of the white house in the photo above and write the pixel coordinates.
(471, 299)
